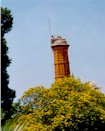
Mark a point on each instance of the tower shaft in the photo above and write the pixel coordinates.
(61, 60)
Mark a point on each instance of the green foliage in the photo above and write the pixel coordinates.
(68, 104)
(6, 21)
(11, 125)
(7, 94)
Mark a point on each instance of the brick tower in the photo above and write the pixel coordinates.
(61, 61)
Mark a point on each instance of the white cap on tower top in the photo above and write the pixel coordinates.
(58, 41)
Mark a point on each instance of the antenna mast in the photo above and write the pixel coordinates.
(49, 27)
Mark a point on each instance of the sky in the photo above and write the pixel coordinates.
(80, 22)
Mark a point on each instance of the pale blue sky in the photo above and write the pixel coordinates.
(80, 22)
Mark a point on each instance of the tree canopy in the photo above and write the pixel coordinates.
(7, 94)
(6, 21)
(68, 104)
